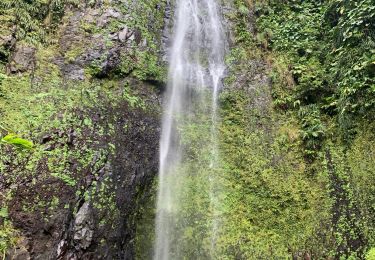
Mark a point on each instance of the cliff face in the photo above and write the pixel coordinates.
(88, 97)
(83, 82)
(294, 151)
(294, 164)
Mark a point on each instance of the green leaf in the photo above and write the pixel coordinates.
(3, 212)
(13, 139)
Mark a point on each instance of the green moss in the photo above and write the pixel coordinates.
(371, 254)
(72, 54)
(8, 234)
(320, 76)
(325, 46)
(144, 219)
(361, 160)
(274, 208)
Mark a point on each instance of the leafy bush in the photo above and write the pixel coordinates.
(330, 48)
(312, 129)
(33, 18)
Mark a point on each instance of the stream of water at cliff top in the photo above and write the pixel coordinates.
(188, 145)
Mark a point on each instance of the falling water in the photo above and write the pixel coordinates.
(188, 147)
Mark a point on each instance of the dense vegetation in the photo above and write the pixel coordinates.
(297, 151)
(323, 54)
(330, 46)
(296, 174)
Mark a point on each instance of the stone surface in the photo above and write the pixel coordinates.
(123, 34)
(83, 227)
(75, 230)
(107, 14)
(23, 59)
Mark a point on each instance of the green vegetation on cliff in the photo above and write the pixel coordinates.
(78, 120)
(79, 123)
(323, 54)
(330, 47)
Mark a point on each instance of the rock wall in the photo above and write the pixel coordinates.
(89, 99)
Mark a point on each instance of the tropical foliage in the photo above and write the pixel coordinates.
(33, 19)
(330, 46)
(296, 176)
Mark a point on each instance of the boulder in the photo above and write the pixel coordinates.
(23, 59)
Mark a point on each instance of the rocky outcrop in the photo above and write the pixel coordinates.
(95, 218)
(22, 59)
(82, 49)
(109, 145)
(83, 227)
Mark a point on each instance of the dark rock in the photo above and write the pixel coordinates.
(167, 32)
(20, 254)
(127, 168)
(71, 136)
(138, 36)
(6, 43)
(46, 138)
(73, 72)
(23, 59)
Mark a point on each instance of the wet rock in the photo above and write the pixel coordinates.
(167, 32)
(83, 227)
(71, 136)
(76, 236)
(23, 59)
(109, 63)
(62, 248)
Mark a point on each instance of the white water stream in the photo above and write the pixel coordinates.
(196, 69)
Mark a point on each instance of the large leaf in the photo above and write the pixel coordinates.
(13, 139)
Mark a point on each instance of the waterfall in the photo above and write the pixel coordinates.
(189, 155)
